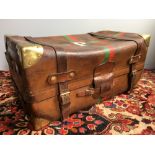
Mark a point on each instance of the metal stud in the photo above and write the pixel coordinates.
(53, 78)
(72, 74)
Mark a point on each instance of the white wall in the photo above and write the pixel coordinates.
(61, 27)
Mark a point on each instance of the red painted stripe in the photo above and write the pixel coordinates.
(112, 53)
(73, 38)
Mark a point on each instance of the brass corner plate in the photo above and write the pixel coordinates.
(147, 38)
(29, 54)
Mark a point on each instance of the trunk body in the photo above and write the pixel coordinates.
(60, 75)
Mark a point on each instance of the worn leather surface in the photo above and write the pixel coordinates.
(83, 54)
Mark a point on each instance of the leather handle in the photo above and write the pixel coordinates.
(102, 81)
(135, 58)
(61, 77)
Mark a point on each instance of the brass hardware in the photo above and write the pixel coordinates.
(90, 91)
(62, 94)
(29, 54)
(134, 72)
(147, 38)
(72, 74)
(65, 98)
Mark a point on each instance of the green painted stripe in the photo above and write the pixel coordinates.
(106, 55)
(71, 40)
(68, 38)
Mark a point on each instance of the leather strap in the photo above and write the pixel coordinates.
(132, 71)
(63, 86)
(61, 56)
(104, 86)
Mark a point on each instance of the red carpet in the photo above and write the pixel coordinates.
(125, 114)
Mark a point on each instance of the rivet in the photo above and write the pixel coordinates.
(72, 74)
(53, 78)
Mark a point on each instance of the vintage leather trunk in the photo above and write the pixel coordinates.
(59, 75)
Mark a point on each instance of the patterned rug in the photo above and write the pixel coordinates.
(124, 114)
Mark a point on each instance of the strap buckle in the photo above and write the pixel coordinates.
(135, 59)
(65, 98)
(132, 79)
(90, 92)
(134, 72)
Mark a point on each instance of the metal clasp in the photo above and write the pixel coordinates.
(80, 43)
(65, 93)
(65, 98)
(90, 91)
(134, 72)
